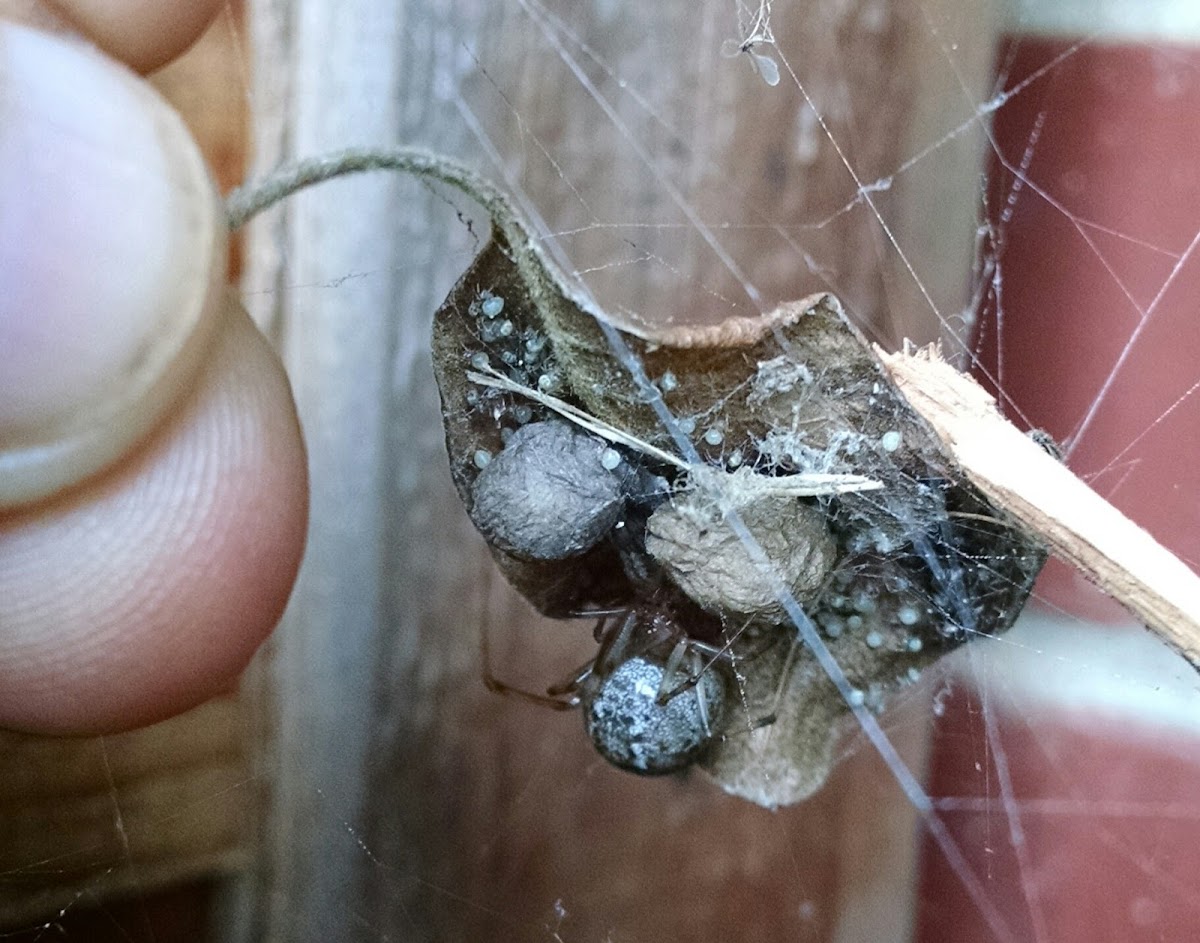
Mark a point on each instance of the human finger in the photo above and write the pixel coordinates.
(144, 34)
(146, 590)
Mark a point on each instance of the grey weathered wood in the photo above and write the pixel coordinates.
(403, 800)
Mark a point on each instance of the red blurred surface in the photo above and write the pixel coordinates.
(1095, 203)
(1090, 322)
(1107, 811)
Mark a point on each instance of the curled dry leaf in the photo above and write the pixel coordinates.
(896, 566)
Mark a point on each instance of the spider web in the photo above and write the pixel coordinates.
(710, 242)
(679, 186)
(1012, 906)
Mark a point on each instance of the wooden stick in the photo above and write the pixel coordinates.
(1045, 496)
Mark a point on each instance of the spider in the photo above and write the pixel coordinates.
(656, 695)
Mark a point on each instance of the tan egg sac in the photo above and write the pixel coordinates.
(691, 538)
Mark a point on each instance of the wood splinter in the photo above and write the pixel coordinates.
(1050, 500)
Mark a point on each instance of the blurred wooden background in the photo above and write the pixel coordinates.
(370, 787)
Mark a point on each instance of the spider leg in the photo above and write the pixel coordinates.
(554, 702)
(670, 670)
(572, 684)
(598, 612)
(614, 644)
(692, 678)
(723, 653)
(784, 676)
(614, 639)
(726, 655)
(492, 683)
(702, 708)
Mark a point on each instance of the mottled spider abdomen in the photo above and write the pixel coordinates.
(632, 729)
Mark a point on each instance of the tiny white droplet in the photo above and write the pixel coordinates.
(874, 640)
(854, 623)
(915, 644)
(492, 307)
(857, 698)
(908, 615)
(668, 382)
(735, 459)
(610, 458)
(479, 360)
(687, 426)
(482, 458)
(914, 675)
(890, 441)
(714, 436)
(505, 329)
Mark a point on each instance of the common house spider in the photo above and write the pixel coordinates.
(659, 690)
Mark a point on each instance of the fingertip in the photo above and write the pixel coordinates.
(147, 591)
(145, 34)
(112, 249)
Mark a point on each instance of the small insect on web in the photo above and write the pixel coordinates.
(756, 30)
